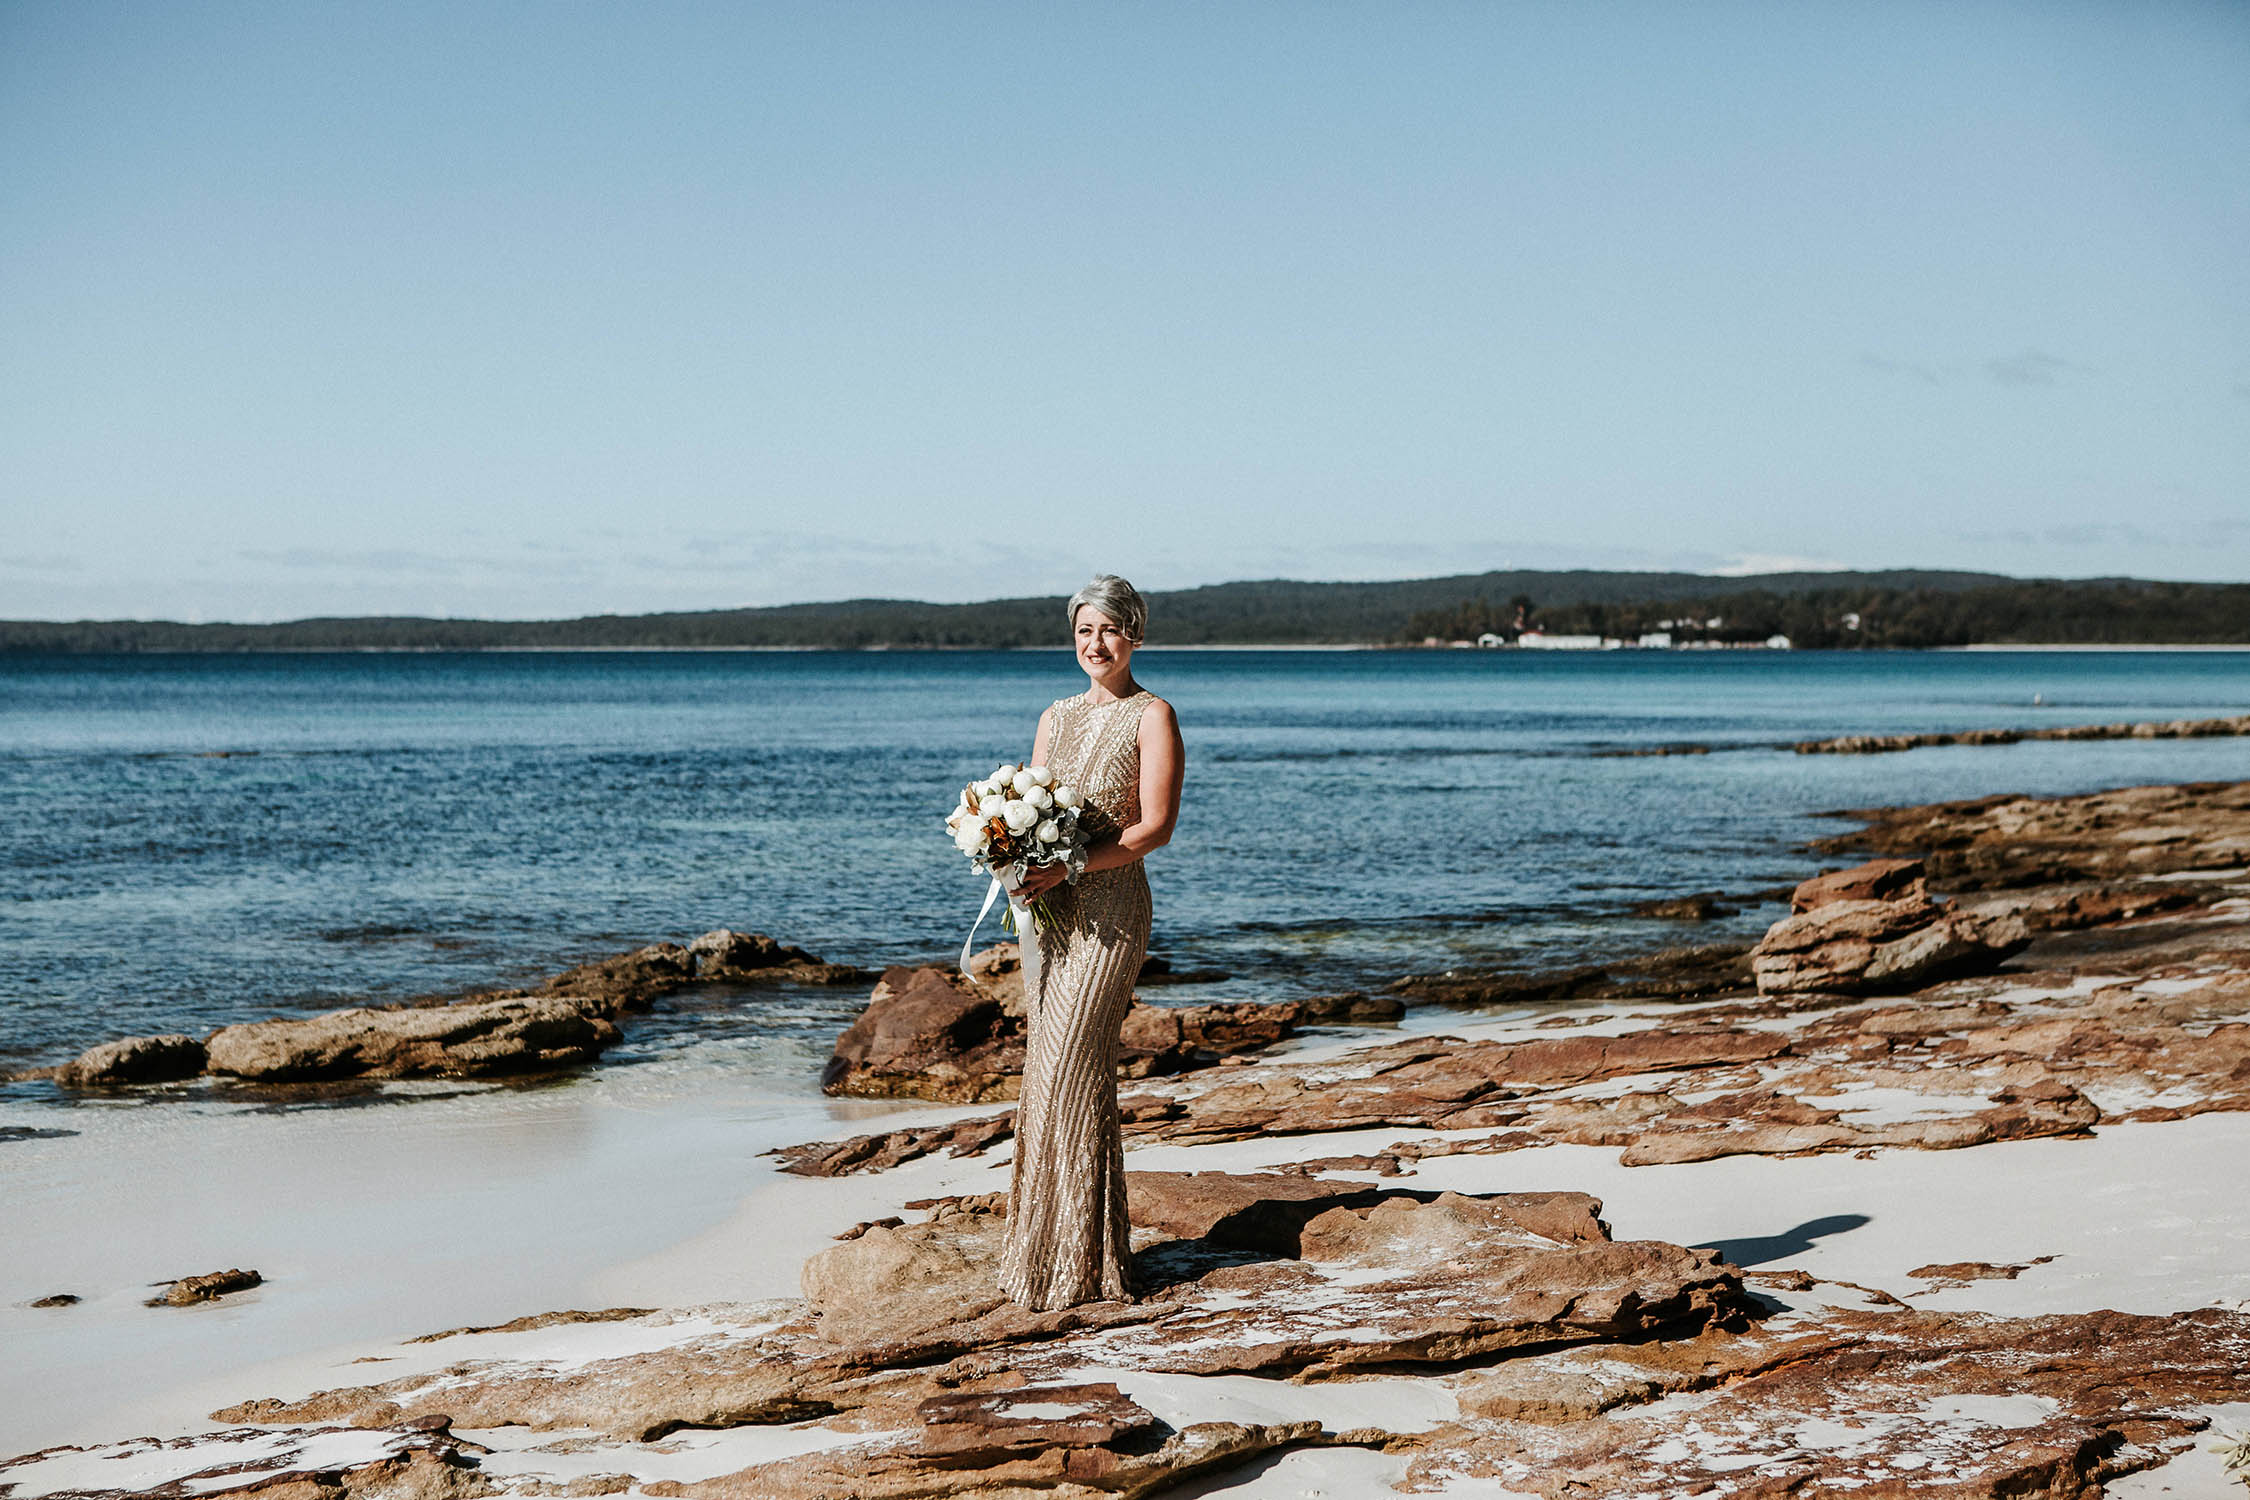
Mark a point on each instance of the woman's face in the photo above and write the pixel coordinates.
(1103, 647)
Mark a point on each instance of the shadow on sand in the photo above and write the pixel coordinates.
(1765, 1249)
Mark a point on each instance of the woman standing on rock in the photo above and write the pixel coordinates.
(1119, 743)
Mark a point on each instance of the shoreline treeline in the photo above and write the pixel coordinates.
(1896, 609)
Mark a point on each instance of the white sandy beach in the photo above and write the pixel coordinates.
(374, 1224)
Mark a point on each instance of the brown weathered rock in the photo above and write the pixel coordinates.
(930, 1033)
(189, 1290)
(1482, 1280)
(1429, 1081)
(136, 1059)
(724, 956)
(1404, 1230)
(2102, 905)
(1158, 971)
(1957, 1273)
(1439, 1081)
(1498, 1289)
(998, 970)
(414, 1461)
(1690, 973)
(1157, 1040)
(1990, 1070)
(1882, 1403)
(566, 1023)
(986, 1427)
(1264, 1211)
(2167, 729)
(505, 1034)
(1703, 906)
(525, 1324)
(2009, 842)
(627, 981)
(1877, 880)
(1131, 1466)
(1838, 944)
(1351, 1008)
(891, 1283)
(891, 1148)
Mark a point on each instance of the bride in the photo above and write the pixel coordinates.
(1067, 1231)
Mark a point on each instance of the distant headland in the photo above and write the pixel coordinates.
(1899, 609)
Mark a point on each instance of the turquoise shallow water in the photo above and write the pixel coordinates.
(188, 841)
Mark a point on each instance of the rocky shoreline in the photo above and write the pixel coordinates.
(567, 1022)
(1336, 1272)
(2229, 726)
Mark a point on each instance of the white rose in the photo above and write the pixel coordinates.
(1049, 832)
(1040, 798)
(1069, 796)
(1020, 815)
(969, 838)
(1042, 775)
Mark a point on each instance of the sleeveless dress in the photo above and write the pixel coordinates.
(1066, 1239)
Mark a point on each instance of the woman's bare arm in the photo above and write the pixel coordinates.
(1163, 763)
(1039, 740)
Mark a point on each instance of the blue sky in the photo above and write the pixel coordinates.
(542, 309)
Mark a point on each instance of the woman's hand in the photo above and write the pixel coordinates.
(1038, 881)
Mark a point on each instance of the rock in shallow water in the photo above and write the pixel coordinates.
(725, 956)
(507, 1034)
(136, 1059)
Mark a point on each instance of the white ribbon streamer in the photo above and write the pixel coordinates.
(983, 911)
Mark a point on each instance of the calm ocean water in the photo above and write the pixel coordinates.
(189, 841)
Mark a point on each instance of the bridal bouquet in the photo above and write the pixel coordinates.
(1014, 821)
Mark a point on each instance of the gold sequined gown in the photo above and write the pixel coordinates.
(1067, 1232)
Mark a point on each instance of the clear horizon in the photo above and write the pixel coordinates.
(537, 312)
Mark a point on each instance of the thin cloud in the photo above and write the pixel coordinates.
(370, 560)
(2212, 533)
(2032, 367)
(1905, 368)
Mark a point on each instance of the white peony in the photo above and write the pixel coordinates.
(1020, 815)
(1042, 776)
(1023, 782)
(984, 789)
(1005, 771)
(1069, 796)
(1048, 832)
(993, 806)
(969, 838)
(1040, 798)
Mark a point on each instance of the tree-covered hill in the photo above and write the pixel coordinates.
(1895, 609)
(1862, 611)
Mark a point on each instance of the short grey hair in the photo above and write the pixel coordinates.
(1114, 597)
